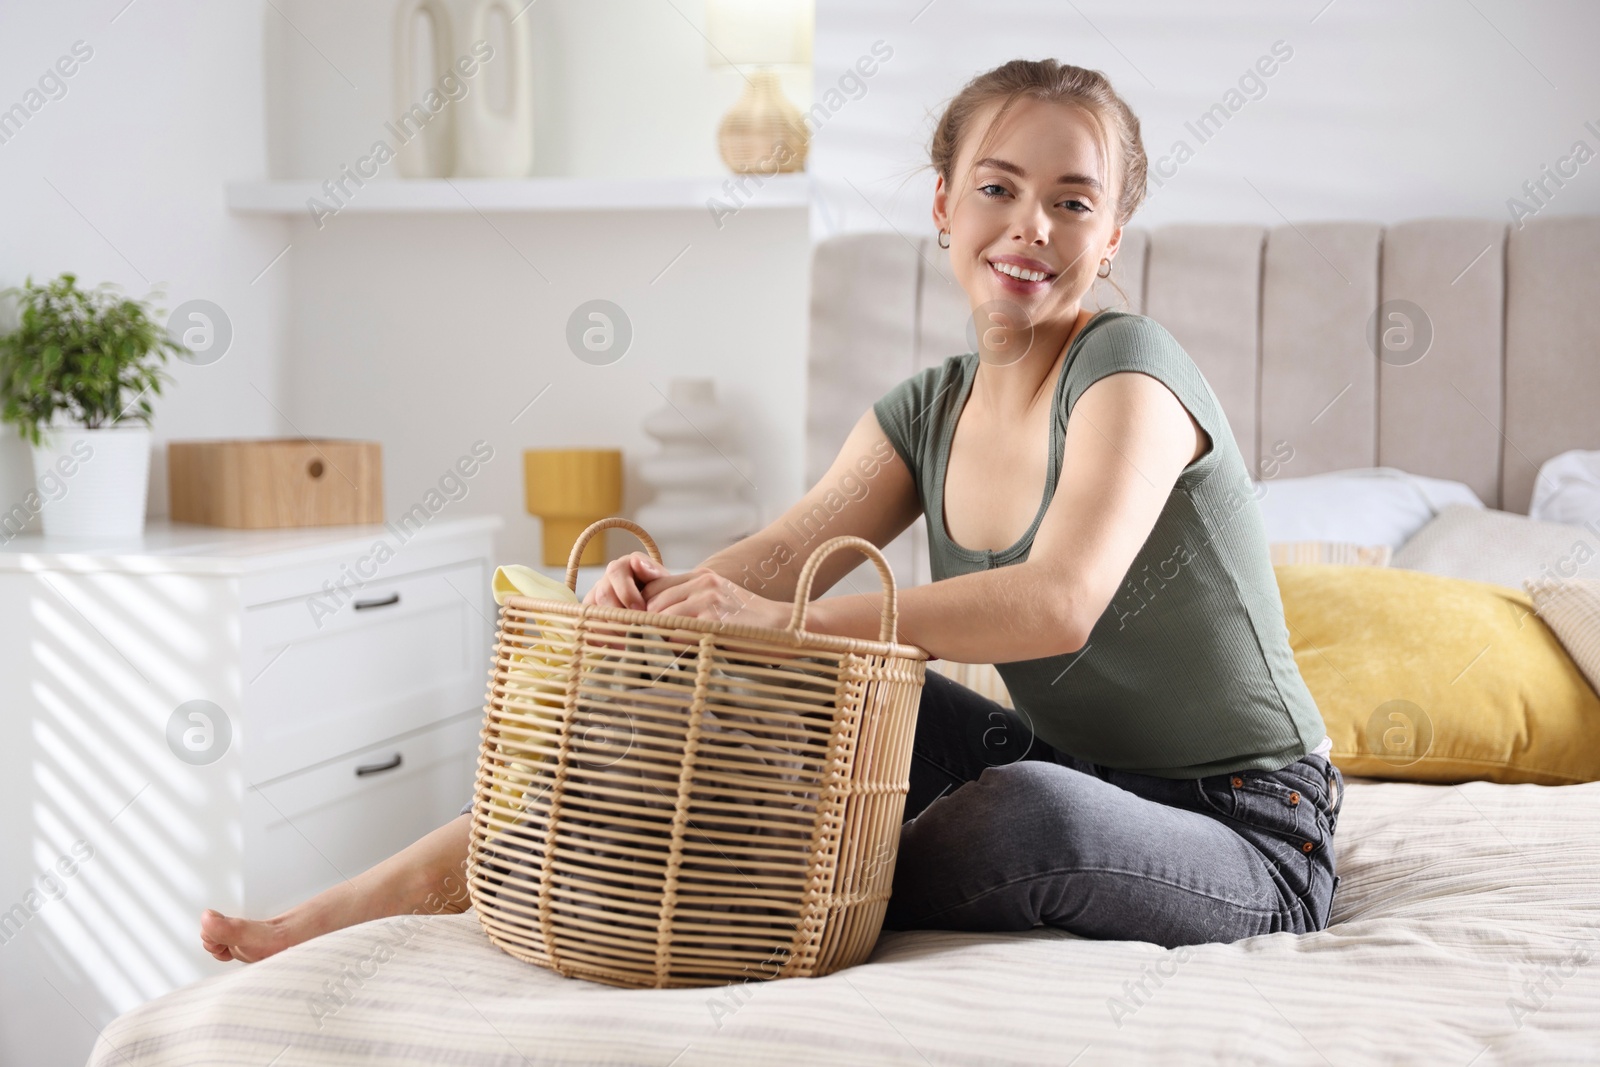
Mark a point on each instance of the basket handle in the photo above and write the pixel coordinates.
(802, 594)
(606, 524)
(802, 591)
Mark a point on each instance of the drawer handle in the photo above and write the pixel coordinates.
(363, 605)
(378, 768)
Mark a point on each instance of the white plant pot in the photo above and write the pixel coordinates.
(93, 483)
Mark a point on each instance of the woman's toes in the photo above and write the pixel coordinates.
(246, 940)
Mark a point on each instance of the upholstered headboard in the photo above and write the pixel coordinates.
(1281, 321)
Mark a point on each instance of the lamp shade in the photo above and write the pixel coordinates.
(758, 32)
(569, 489)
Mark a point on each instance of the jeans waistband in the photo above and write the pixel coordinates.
(1314, 774)
(1319, 771)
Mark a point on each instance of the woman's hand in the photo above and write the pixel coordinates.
(704, 594)
(620, 586)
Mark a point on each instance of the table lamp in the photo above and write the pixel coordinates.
(763, 132)
(569, 489)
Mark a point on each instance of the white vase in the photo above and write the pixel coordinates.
(496, 142)
(430, 152)
(93, 483)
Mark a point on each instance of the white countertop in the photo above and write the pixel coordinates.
(175, 547)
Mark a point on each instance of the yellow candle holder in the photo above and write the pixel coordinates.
(568, 490)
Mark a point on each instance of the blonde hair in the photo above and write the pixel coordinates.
(1051, 81)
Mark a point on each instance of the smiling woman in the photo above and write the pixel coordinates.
(1164, 776)
(1161, 778)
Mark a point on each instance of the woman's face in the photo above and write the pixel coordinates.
(1040, 198)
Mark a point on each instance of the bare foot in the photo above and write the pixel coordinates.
(425, 876)
(245, 940)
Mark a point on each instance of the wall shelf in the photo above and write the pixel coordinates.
(452, 195)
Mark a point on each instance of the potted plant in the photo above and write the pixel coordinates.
(76, 377)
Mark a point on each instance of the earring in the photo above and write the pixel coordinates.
(1106, 273)
(944, 238)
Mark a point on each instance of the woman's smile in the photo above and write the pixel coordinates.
(1022, 276)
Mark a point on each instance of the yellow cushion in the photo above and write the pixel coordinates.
(1426, 678)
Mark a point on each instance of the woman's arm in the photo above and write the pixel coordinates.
(1127, 441)
(984, 617)
(867, 492)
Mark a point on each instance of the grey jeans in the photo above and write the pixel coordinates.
(1003, 832)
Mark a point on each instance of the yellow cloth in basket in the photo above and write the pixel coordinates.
(539, 675)
(530, 678)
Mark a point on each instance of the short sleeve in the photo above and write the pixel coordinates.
(906, 412)
(1139, 343)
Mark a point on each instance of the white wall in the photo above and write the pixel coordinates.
(1383, 112)
(120, 180)
(429, 332)
(620, 88)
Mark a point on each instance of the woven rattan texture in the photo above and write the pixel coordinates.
(669, 803)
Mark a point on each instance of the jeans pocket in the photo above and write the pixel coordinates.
(1266, 800)
(1275, 815)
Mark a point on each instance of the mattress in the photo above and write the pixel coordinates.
(1464, 932)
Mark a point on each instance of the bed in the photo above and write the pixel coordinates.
(1464, 930)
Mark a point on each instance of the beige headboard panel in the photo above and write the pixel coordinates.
(1280, 320)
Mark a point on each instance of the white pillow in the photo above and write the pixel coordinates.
(1487, 545)
(1365, 506)
(1572, 611)
(1568, 489)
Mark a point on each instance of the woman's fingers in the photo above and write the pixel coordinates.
(673, 602)
(601, 595)
(674, 588)
(619, 586)
(625, 590)
(653, 589)
(632, 572)
(644, 566)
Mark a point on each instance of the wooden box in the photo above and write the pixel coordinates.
(260, 483)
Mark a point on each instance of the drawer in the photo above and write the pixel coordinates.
(310, 830)
(319, 567)
(402, 654)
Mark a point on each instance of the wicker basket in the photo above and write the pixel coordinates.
(664, 801)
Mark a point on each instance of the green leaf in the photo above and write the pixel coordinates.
(81, 355)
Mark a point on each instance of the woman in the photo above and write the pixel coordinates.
(1165, 777)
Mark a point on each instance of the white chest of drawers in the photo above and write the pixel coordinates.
(225, 719)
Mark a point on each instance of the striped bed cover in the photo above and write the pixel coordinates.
(1464, 932)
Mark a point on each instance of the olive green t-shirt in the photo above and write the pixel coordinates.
(1188, 672)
